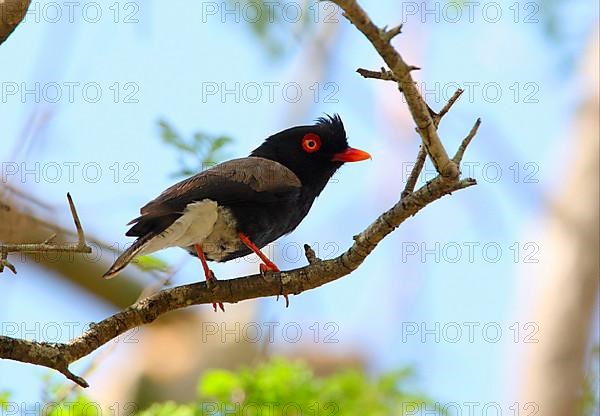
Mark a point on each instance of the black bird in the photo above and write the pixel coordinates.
(239, 206)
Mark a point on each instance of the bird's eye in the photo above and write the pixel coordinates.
(311, 142)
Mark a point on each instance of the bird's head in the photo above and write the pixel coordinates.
(314, 152)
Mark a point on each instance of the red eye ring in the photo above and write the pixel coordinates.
(311, 142)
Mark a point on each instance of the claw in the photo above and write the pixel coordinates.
(208, 273)
(210, 277)
(287, 299)
(271, 267)
(267, 265)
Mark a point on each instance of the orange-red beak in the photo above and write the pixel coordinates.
(351, 155)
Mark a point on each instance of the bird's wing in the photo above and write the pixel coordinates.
(236, 181)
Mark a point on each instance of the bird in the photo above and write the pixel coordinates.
(237, 207)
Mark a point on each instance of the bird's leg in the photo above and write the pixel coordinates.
(207, 272)
(266, 265)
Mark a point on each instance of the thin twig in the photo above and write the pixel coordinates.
(466, 141)
(47, 246)
(310, 255)
(415, 172)
(422, 155)
(384, 74)
(78, 227)
(388, 35)
(438, 117)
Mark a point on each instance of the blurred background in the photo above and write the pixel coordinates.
(477, 294)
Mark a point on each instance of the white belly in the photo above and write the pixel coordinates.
(224, 238)
(193, 227)
(204, 223)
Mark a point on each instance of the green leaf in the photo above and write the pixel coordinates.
(169, 409)
(4, 400)
(281, 387)
(80, 406)
(170, 136)
(196, 153)
(219, 384)
(150, 263)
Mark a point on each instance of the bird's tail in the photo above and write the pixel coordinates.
(125, 258)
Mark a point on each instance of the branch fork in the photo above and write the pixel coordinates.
(47, 246)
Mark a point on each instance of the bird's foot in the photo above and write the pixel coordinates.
(210, 279)
(208, 273)
(287, 299)
(271, 267)
(268, 267)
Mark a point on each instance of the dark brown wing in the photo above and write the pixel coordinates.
(250, 179)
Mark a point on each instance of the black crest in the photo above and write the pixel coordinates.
(333, 123)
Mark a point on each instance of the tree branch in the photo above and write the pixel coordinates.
(448, 106)
(47, 246)
(401, 72)
(422, 155)
(12, 12)
(415, 172)
(465, 143)
(383, 74)
(318, 272)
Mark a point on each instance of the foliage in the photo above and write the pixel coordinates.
(195, 154)
(79, 406)
(277, 387)
(282, 387)
(4, 396)
(150, 263)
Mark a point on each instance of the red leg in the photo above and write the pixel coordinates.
(207, 272)
(267, 265)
